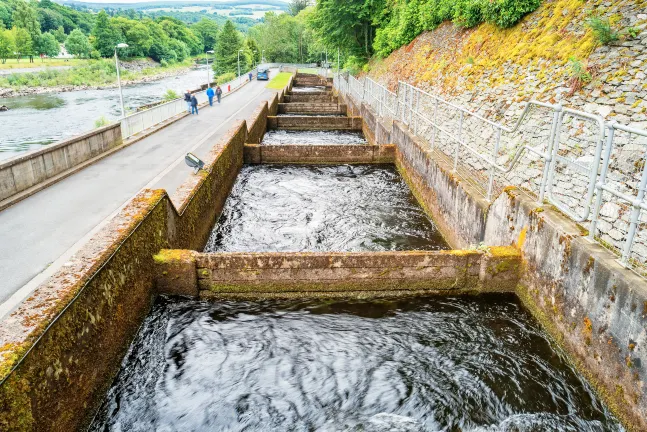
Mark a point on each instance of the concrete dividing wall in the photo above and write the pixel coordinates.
(594, 307)
(315, 123)
(30, 169)
(311, 108)
(258, 275)
(319, 154)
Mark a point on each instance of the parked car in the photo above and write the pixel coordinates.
(263, 75)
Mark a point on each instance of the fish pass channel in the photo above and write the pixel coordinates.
(469, 364)
(334, 137)
(338, 208)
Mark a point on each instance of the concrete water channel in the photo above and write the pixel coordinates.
(304, 282)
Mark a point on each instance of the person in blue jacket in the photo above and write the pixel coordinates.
(210, 94)
(250, 77)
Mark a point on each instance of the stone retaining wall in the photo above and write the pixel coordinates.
(258, 275)
(319, 154)
(30, 169)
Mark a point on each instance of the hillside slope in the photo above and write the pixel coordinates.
(494, 69)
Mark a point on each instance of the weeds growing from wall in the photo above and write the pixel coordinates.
(604, 33)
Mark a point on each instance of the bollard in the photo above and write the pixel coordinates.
(228, 88)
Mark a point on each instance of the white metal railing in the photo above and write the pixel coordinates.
(140, 121)
(570, 144)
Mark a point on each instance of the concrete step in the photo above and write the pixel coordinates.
(315, 123)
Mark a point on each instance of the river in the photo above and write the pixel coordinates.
(37, 120)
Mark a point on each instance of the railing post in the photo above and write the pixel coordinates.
(458, 142)
(635, 218)
(415, 124)
(495, 154)
(611, 130)
(434, 124)
(555, 149)
(548, 156)
(411, 105)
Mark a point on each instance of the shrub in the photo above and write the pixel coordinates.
(579, 73)
(101, 122)
(506, 13)
(170, 95)
(602, 30)
(224, 78)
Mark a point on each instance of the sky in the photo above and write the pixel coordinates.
(166, 1)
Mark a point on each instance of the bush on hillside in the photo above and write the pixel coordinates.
(408, 19)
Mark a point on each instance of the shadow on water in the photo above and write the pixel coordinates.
(468, 364)
(322, 208)
(37, 102)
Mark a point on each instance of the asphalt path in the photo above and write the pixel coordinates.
(40, 233)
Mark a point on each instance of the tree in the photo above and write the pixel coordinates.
(25, 17)
(105, 36)
(297, 6)
(207, 31)
(6, 45)
(47, 45)
(77, 44)
(22, 42)
(253, 50)
(133, 33)
(5, 15)
(229, 42)
(59, 34)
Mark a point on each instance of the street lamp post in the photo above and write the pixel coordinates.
(121, 94)
(239, 51)
(206, 58)
(263, 56)
(254, 58)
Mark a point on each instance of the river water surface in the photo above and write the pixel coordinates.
(37, 120)
(339, 208)
(471, 364)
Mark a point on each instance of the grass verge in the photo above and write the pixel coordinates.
(279, 81)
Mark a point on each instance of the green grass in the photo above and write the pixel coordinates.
(12, 63)
(279, 81)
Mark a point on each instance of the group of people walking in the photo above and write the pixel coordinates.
(192, 101)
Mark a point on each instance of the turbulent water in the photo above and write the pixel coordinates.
(417, 364)
(308, 89)
(288, 137)
(322, 208)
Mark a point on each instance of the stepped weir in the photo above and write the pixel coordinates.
(323, 272)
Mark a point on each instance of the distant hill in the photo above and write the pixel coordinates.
(135, 4)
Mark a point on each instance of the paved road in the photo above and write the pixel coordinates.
(40, 233)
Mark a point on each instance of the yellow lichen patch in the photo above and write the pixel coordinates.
(168, 256)
(521, 240)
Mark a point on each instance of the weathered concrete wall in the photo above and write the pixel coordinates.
(593, 306)
(321, 274)
(315, 123)
(22, 172)
(319, 154)
(258, 127)
(311, 108)
(296, 97)
(61, 348)
(458, 211)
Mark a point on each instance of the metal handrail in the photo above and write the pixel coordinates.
(407, 109)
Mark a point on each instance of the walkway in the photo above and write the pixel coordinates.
(39, 234)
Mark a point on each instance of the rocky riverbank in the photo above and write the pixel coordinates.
(136, 67)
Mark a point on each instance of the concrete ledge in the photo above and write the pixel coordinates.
(315, 123)
(324, 272)
(318, 154)
(30, 169)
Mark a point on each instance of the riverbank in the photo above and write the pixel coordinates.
(97, 75)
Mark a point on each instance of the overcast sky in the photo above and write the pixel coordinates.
(166, 1)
